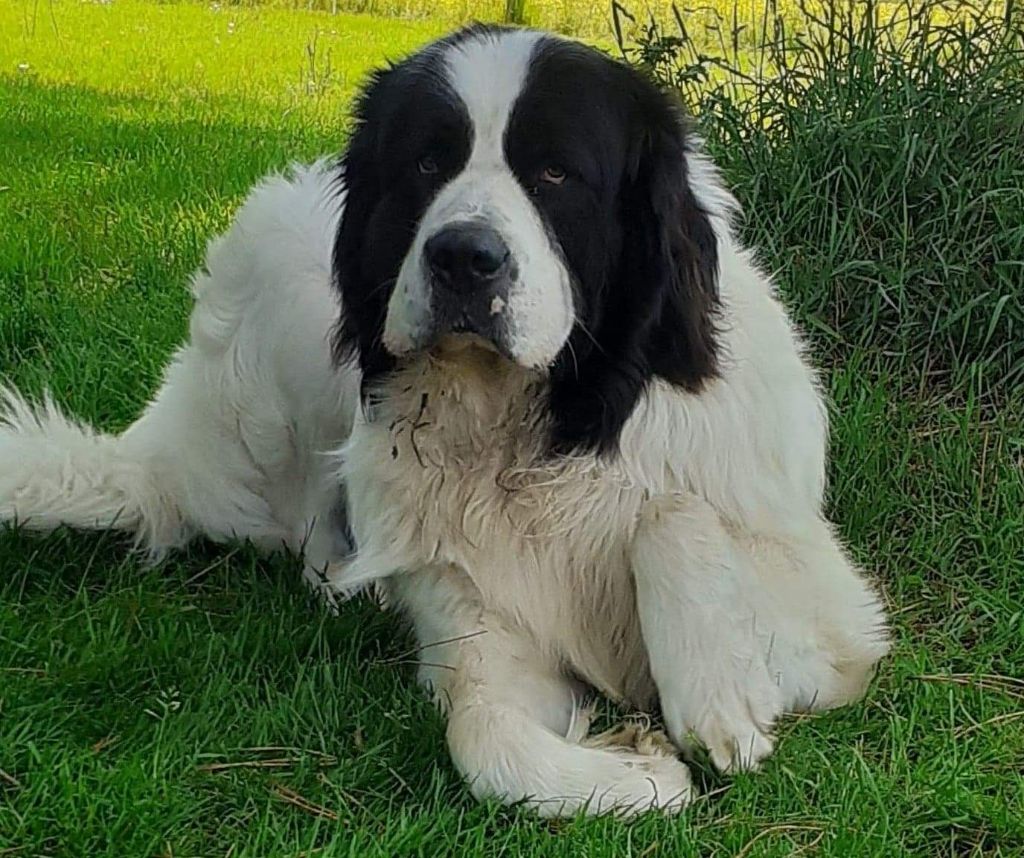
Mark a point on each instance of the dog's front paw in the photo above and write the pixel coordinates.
(654, 782)
(733, 722)
(628, 783)
(649, 776)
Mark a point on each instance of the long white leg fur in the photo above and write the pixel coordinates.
(740, 629)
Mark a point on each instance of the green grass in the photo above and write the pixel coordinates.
(877, 157)
(125, 145)
(590, 18)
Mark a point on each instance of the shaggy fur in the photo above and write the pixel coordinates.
(608, 475)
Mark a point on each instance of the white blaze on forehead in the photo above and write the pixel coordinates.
(487, 72)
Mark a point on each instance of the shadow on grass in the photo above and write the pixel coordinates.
(108, 204)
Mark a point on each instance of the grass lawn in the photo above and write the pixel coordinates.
(208, 707)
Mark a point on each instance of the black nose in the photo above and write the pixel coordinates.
(466, 255)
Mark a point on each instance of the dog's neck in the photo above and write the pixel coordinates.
(476, 398)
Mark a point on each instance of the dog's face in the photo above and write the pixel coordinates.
(532, 196)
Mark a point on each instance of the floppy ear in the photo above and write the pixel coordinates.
(659, 308)
(364, 300)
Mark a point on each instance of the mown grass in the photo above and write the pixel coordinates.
(124, 689)
(244, 57)
(590, 18)
(712, 18)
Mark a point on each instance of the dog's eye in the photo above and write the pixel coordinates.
(553, 175)
(427, 165)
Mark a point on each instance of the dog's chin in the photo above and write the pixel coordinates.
(459, 346)
(465, 352)
(457, 343)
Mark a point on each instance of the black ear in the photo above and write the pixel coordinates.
(656, 315)
(364, 298)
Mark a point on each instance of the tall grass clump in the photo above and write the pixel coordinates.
(879, 152)
(515, 11)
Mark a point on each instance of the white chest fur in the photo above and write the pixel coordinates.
(451, 470)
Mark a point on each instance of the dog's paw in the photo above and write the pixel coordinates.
(649, 776)
(628, 784)
(738, 746)
(653, 782)
(734, 724)
(635, 734)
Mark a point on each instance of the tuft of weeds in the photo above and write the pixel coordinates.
(515, 11)
(317, 76)
(877, 148)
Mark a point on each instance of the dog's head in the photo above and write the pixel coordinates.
(533, 196)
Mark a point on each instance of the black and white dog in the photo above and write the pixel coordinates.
(513, 341)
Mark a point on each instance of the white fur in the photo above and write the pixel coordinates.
(233, 446)
(695, 568)
(539, 306)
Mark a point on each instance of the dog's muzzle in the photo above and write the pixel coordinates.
(471, 270)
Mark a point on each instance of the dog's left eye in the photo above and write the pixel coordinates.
(553, 175)
(427, 165)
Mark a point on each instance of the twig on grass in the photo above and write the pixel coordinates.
(293, 758)
(10, 780)
(274, 763)
(220, 561)
(997, 719)
(293, 798)
(278, 749)
(103, 744)
(1008, 685)
(781, 829)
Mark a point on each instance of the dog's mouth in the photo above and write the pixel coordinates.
(468, 329)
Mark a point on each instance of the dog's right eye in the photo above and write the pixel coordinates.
(553, 175)
(427, 165)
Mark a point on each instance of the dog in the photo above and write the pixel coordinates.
(508, 361)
